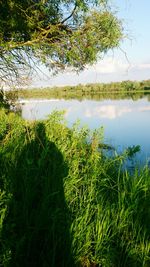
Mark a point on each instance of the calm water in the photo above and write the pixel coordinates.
(126, 122)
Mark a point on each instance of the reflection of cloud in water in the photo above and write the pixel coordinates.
(144, 109)
(86, 109)
(68, 111)
(74, 109)
(37, 101)
(30, 110)
(108, 111)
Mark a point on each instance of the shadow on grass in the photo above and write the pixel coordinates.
(36, 227)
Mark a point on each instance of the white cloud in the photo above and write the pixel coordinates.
(111, 68)
(142, 66)
(109, 65)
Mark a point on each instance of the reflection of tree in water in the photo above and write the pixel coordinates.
(36, 227)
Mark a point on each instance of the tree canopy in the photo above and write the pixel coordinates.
(58, 33)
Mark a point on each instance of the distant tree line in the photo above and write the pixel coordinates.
(91, 89)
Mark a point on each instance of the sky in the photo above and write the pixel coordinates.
(129, 62)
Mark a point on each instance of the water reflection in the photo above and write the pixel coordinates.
(126, 122)
(145, 108)
(107, 111)
(110, 109)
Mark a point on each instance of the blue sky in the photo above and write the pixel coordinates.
(116, 66)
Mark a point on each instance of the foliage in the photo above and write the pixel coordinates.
(8, 99)
(3, 102)
(114, 90)
(52, 176)
(58, 33)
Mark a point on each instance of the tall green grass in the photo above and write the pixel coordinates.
(63, 203)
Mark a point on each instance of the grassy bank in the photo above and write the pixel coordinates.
(126, 89)
(63, 203)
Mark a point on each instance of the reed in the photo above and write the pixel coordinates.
(64, 203)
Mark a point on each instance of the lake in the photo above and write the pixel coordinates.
(126, 122)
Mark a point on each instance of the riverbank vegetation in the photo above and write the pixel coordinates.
(63, 203)
(114, 90)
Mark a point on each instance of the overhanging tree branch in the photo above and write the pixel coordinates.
(43, 35)
(72, 13)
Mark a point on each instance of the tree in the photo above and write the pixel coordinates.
(57, 33)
